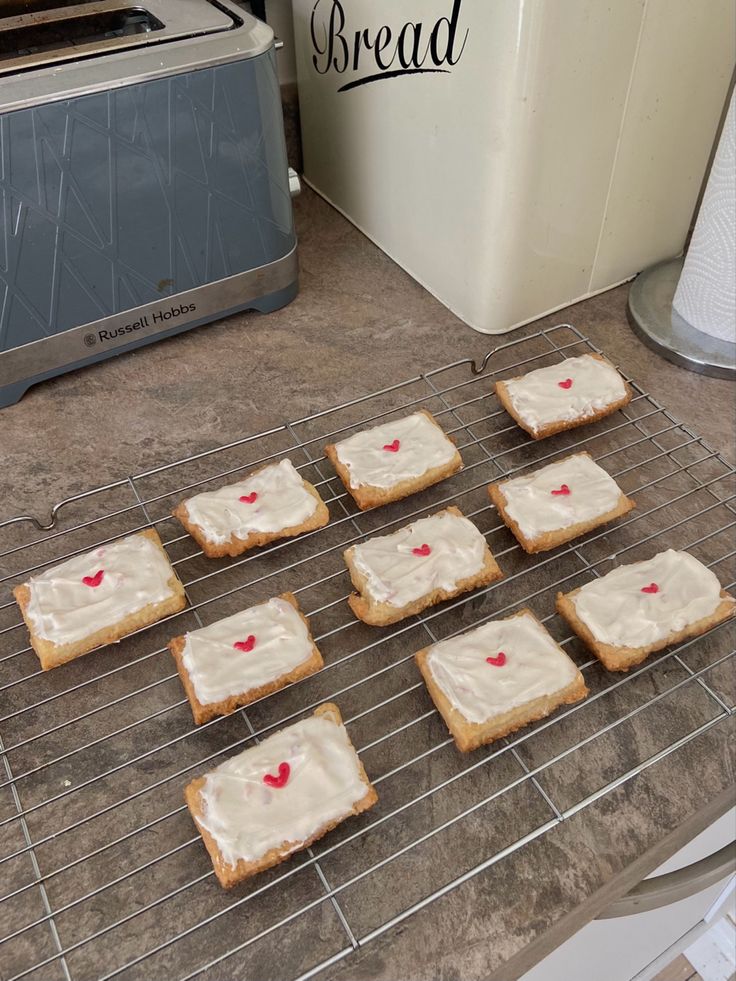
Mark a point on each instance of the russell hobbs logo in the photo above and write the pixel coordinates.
(412, 49)
(154, 319)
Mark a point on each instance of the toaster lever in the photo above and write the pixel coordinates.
(295, 185)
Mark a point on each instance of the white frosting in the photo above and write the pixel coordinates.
(281, 501)
(534, 666)
(218, 670)
(422, 445)
(396, 575)
(617, 612)
(247, 818)
(530, 500)
(539, 400)
(63, 610)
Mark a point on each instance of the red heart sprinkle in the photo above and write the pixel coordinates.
(392, 447)
(498, 661)
(94, 580)
(248, 498)
(423, 550)
(564, 489)
(651, 588)
(246, 645)
(567, 383)
(280, 781)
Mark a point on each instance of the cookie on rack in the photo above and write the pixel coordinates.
(271, 503)
(234, 661)
(430, 560)
(638, 609)
(276, 798)
(559, 502)
(391, 461)
(562, 396)
(97, 598)
(497, 678)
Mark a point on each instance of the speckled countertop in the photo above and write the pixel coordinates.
(360, 323)
(356, 326)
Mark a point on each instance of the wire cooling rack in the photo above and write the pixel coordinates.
(102, 872)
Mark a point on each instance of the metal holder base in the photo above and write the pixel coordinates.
(655, 322)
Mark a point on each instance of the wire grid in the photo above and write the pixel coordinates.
(102, 872)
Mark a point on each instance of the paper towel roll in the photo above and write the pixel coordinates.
(706, 293)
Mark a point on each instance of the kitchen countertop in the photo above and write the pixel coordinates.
(357, 326)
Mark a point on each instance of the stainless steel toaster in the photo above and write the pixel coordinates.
(144, 181)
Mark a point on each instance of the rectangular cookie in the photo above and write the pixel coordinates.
(640, 608)
(559, 502)
(430, 560)
(232, 662)
(497, 678)
(96, 598)
(393, 460)
(280, 796)
(565, 395)
(273, 502)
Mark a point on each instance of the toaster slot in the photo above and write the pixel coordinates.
(17, 8)
(38, 37)
(35, 33)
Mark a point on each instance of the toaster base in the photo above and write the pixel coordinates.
(264, 289)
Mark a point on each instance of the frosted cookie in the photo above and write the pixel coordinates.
(559, 502)
(497, 678)
(430, 560)
(394, 460)
(641, 608)
(565, 395)
(271, 503)
(97, 598)
(234, 661)
(276, 798)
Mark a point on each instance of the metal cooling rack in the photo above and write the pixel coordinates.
(102, 873)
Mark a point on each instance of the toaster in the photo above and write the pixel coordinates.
(144, 180)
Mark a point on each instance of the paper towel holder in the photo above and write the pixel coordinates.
(655, 321)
